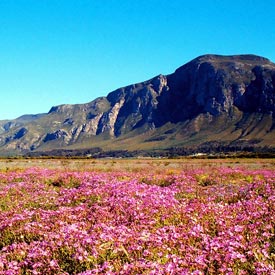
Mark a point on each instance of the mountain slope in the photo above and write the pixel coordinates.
(229, 99)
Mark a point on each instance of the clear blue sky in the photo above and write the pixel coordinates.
(73, 51)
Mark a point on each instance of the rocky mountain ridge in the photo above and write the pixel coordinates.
(211, 98)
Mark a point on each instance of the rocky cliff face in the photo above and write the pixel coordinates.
(209, 95)
(216, 84)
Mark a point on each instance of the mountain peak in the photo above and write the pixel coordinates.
(212, 97)
(231, 58)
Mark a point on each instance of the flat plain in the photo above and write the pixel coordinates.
(137, 216)
(157, 165)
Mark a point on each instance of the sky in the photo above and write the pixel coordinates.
(56, 52)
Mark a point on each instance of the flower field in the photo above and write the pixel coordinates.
(199, 219)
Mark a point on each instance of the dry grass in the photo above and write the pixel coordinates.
(163, 166)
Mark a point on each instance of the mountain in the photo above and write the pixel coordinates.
(213, 99)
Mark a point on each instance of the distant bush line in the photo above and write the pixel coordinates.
(206, 150)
